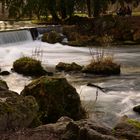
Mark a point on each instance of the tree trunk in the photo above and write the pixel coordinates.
(63, 9)
(3, 7)
(89, 7)
(97, 8)
(52, 9)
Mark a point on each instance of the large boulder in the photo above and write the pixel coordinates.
(68, 67)
(56, 97)
(87, 130)
(16, 111)
(28, 66)
(65, 129)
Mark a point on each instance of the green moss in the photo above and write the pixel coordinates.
(28, 66)
(113, 131)
(135, 123)
(56, 98)
(5, 108)
(36, 122)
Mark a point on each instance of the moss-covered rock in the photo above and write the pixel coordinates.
(56, 98)
(16, 111)
(127, 129)
(28, 66)
(134, 123)
(52, 37)
(102, 68)
(3, 85)
(68, 67)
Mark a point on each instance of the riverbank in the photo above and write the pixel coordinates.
(67, 129)
(102, 31)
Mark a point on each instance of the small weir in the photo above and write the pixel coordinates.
(15, 36)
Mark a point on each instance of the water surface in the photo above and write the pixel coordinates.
(123, 92)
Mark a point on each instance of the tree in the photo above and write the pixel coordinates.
(15, 7)
(63, 10)
(70, 7)
(88, 2)
(29, 8)
(51, 5)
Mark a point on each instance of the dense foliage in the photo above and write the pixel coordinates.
(58, 9)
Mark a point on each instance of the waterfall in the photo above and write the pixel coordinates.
(7, 37)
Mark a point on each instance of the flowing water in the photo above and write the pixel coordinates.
(123, 92)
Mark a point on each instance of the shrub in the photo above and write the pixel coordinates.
(102, 64)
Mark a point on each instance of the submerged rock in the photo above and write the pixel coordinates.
(28, 66)
(137, 109)
(68, 67)
(15, 111)
(5, 73)
(56, 98)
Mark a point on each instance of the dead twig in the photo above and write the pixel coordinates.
(96, 86)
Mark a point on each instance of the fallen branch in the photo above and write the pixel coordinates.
(96, 86)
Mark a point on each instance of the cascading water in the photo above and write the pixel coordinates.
(15, 36)
(123, 91)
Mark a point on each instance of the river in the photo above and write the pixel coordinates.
(123, 91)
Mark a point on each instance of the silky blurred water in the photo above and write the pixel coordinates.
(123, 91)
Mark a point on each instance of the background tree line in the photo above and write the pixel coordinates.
(58, 9)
